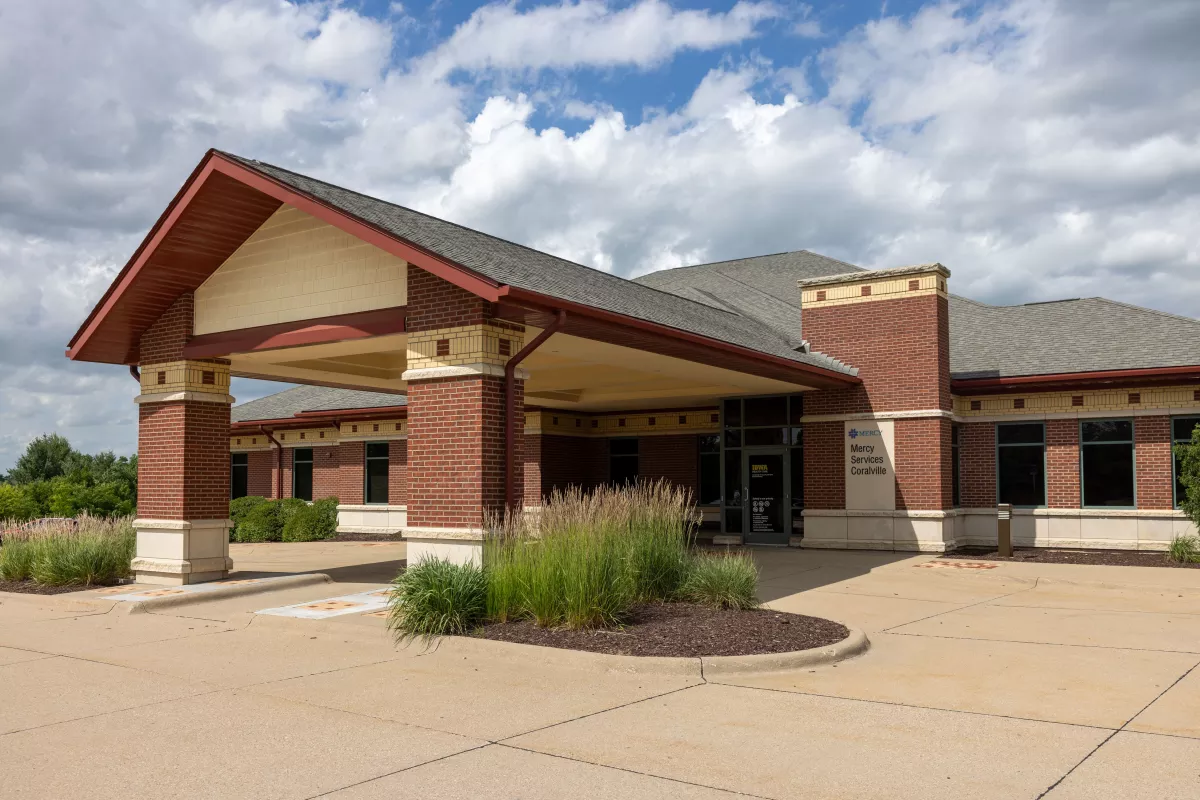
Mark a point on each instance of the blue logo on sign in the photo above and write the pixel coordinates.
(853, 433)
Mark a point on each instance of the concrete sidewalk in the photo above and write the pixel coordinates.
(1018, 681)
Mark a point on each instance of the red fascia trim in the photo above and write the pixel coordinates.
(390, 243)
(129, 273)
(382, 412)
(1074, 379)
(339, 328)
(308, 419)
(525, 296)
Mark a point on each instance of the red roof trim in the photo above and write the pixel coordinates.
(965, 386)
(338, 328)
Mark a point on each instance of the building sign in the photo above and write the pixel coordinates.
(870, 471)
(766, 493)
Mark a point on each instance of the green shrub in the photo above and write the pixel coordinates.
(16, 505)
(727, 580)
(587, 557)
(261, 523)
(436, 598)
(1189, 476)
(240, 508)
(312, 522)
(1184, 549)
(93, 552)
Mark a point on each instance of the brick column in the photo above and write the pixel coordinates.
(893, 325)
(1062, 464)
(1155, 462)
(456, 411)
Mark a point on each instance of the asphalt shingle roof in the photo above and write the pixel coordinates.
(290, 402)
(515, 265)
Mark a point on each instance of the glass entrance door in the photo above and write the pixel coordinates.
(768, 513)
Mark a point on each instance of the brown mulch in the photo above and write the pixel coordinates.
(1040, 555)
(368, 537)
(683, 630)
(33, 587)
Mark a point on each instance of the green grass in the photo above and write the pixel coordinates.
(436, 598)
(1184, 549)
(726, 580)
(94, 553)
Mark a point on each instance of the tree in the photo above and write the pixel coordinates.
(1189, 475)
(46, 457)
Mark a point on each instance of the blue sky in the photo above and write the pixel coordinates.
(1039, 148)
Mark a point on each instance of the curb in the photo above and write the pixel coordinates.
(853, 645)
(224, 593)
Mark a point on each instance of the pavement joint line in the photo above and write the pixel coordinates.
(897, 704)
(1123, 728)
(961, 608)
(599, 711)
(1107, 610)
(894, 632)
(634, 771)
(402, 769)
(111, 712)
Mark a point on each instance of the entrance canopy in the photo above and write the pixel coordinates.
(298, 280)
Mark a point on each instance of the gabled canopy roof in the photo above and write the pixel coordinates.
(228, 197)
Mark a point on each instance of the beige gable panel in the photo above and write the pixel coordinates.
(296, 267)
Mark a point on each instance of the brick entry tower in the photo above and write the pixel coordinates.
(183, 458)
(457, 350)
(877, 458)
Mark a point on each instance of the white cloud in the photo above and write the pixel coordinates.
(1038, 149)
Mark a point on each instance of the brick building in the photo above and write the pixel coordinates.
(448, 374)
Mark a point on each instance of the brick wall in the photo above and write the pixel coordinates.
(531, 468)
(456, 450)
(675, 458)
(824, 465)
(437, 303)
(183, 460)
(286, 462)
(351, 460)
(901, 348)
(923, 469)
(397, 472)
(164, 340)
(1155, 463)
(326, 472)
(261, 466)
(977, 454)
(1062, 463)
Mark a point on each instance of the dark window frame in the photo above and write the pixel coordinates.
(1175, 487)
(615, 458)
(311, 462)
(387, 461)
(734, 426)
(234, 466)
(956, 466)
(1132, 442)
(711, 457)
(1042, 444)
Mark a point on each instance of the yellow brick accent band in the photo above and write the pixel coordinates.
(562, 423)
(1167, 399)
(488, 343)
(200, 377)
(874, 289)
(373, 430)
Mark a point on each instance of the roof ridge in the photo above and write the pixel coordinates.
(1180, 317)
(498, 238)
(752, 258)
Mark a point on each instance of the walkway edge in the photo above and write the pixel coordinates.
(853, 645)
(225, 592)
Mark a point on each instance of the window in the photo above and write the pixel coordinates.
(1181, 433)
(710, 470)
(1106, 460)
(302, 473)
(376, 473)
(761, 422)
(622, 461)
(955, 468)
(239, 475)
(1021, 463)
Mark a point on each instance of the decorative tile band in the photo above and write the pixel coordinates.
(194, 377)
(874, 288)
(492, 342)
(373, 430)
(1168, 399)
(563, 423)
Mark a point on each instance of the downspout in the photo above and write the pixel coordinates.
(510, 411)
(135, 372)
(278, 463)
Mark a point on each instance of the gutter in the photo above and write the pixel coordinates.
(278, 462)
(1079, 380)
(510, 403)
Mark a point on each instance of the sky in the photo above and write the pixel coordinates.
(1040, 150)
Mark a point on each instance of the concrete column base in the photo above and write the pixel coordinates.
(177, 552)
(456, 545)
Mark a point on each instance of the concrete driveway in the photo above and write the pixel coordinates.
(1000, 681)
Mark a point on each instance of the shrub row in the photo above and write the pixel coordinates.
(83, 552)
(257, 519)
(583, 562)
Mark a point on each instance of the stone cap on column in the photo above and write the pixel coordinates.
(874, 285)
(172, 381)
(464, 350)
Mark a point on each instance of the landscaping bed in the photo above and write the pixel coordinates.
(33, 587)
(681, 630)
(1048, 555)
(368, 537)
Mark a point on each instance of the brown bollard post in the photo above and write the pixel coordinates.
(1004, 530)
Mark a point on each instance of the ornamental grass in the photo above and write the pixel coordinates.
(87, 551)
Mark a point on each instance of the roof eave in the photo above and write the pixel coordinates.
(1075, 380)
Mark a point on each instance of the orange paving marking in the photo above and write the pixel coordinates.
(118, 589)
(382, 614)
(955, 565)
(331, 605)
(162, 592)
(236, 583)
